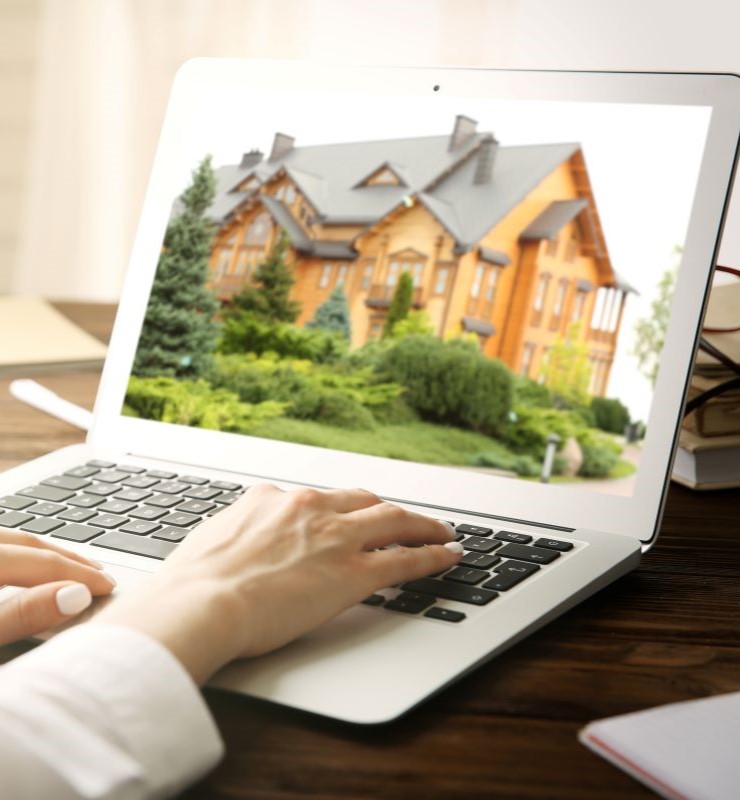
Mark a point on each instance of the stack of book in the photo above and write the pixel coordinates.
(708, 455)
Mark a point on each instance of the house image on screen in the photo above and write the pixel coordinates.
(503, 242)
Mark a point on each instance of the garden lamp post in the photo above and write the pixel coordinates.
(553, 440)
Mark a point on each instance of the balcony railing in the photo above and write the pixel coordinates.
(380, 296)
(227, 286)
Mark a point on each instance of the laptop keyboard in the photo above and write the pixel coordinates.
(149, 512)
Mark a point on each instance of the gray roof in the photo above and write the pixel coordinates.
(494, 256)
(478, 326)
(584, 285)
(553, 219)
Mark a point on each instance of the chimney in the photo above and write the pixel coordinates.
(463, 130)
(251, 159)
(282, 144)
(485, 160)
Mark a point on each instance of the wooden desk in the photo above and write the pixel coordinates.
(669, 631)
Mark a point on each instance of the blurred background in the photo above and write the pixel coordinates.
(84, 85)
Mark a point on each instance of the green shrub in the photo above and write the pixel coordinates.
(195, 403)
(526, 466)
(243, 333)
(610, 414)
(530, 393)
(600, 453)
(450, 382)
(528, 435)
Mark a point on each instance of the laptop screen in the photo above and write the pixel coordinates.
(465, 282)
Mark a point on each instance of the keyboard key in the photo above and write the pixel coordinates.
(140, 482)
(180, 519)
(510, 574)
(147, 513)
(171, 534)
(13, 519)
(77, 515)
(160, 475)
(137, 545)
(133, 495)
(43, 525)
(227, 486)
(196, 507)
(16, 503)
(82, 472)
(478, 560)
(51, 493)
(115, 506)
(537, 555)
(475, 530)
(446, 614)
(67, 482)
(85, 501)
(77, 533)
(466, 575)
(554, 544)
(103, 489)
(374, 600)
(227, 498)
(511, 536)
(201, 493)
(113, 476)
(450, 590)
(172, 487)
(164, 500)
(100, 464)
(109, 521)
(131, 470)
(479, 544)
(410, 603)
(46, 509)
(193, 479)
(141, 528)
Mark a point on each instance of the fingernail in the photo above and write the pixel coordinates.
(454, 547)
(449, 525)
(73, 599)
(113, 581)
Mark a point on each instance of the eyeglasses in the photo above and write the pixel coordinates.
(717, 327)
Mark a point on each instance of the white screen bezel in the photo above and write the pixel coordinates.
(636, 516)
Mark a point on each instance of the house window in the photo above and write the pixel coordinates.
(385, 176)
(341, 275)
(440, 280)
(551, 248)
(325, 276)
(393, 269)
(539, 299)
(367, 276)
(493, 274)
(477, 280)
(557, 308)
(578, 306)
(242, 266)
(527, 356)
(224, 259)
(259, 230)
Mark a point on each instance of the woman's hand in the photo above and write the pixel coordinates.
(273, 566)
(61, 583)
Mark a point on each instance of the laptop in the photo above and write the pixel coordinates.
(474, 292)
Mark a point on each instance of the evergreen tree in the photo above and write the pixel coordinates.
(333, 314)
(400, 304)
(268, 298)
(179, 334)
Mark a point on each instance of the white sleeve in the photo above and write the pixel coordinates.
(101, 711)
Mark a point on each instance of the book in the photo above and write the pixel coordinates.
(716, 417)
(707, 462)
(34, 336)
(682, 750)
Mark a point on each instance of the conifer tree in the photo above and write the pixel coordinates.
(179, 333)
(400, 304)
(333, 314)
(268, 298)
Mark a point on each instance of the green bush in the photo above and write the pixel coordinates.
(528, 435)
(526, 466)
(600, 453)
(610, 414)
(195, 403)
(450, 382)
(530, 393)
(243, 333)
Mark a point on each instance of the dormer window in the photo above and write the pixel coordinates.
(385, 175)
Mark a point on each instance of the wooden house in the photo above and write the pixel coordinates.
(504, 242)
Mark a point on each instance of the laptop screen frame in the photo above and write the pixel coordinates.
(637, 516)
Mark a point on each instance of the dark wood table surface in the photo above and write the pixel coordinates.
(669, 631)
